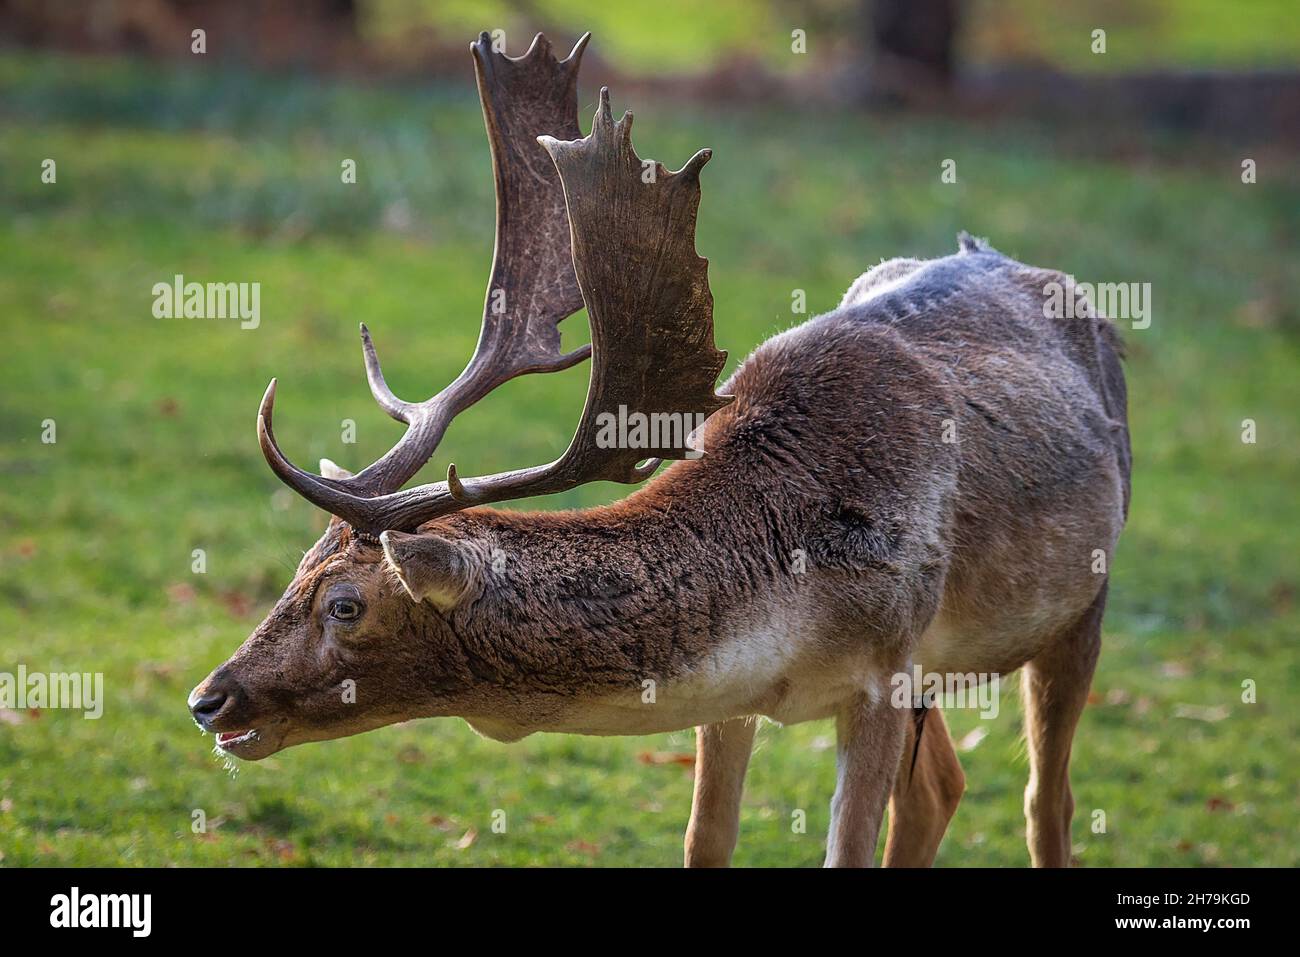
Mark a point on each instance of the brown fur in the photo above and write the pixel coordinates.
(973, 555)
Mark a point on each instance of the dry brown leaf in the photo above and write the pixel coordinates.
(470, 837)
(410, 755)
(181, 593)
(583, 847)
(237, 603)
(282, 849)
(682, 758)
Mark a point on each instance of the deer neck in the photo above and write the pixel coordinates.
(588, 620)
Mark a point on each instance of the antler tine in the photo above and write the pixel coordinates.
(395, 407)
(303, 482)
(651, 314)
(532, 287)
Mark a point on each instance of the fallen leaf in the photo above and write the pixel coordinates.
(583, 847)
(410, 755)
(282, 849)
(168, 406)
(1219, 804)
(470, 837)
(26, 547)
(237, 603)
(6, 805)
(181, 593)
(682, 758)
(972, 740)
(1282, 595)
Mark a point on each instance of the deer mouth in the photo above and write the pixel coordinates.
(252, 744)
(233, 739)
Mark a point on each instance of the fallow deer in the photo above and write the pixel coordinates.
(945, 459)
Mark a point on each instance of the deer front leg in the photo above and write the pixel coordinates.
(721, 757)
(870, 741)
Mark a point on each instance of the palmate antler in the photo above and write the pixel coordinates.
(632, 255)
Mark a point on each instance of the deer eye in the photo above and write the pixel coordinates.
(345, 609)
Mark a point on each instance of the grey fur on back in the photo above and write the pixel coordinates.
(984, 300)
(946, 446)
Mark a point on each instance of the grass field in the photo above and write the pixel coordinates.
(688, 36)
(222, 177)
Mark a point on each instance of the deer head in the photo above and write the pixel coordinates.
(366, 634)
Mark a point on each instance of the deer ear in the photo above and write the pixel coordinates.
(443, 571)
(332, 470)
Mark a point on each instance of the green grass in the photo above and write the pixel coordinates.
(222, 177)
(690, 37)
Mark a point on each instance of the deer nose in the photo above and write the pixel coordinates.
(205, 705)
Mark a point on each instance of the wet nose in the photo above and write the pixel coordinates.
(206, 702)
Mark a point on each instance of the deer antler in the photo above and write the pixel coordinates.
(651, 313)
(532, 286)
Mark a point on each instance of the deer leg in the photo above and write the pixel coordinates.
(870, 740)
(721, 757)
(926, 792)
(1055, 689)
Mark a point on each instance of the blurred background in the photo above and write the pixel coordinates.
(1150, 141)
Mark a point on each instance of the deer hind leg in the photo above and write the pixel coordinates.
(870, 740)
(1055, 689)
(926, 793)
(721, 757)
